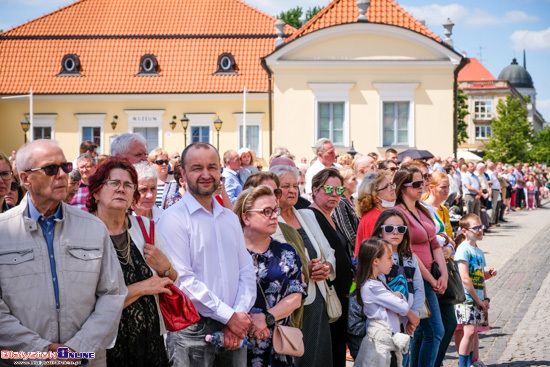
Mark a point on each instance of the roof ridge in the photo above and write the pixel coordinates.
(274, 18)
(411, 17)
(317, 16)
(74, 3)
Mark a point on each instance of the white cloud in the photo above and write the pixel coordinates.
(482, 18)
(531, 40)
(438, 14)
(544, 108)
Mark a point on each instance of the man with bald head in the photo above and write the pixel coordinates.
(362, 165)
(65, 291)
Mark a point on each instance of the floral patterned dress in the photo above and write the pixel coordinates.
(279, 274)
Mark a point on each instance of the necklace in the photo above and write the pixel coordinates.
(127, 256)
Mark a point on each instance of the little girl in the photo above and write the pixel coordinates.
(530, 185)
(404, 276)
(247, 160)
(378, 301)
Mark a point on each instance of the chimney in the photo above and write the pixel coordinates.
(363, 5)
(279, 31)
(448, 25)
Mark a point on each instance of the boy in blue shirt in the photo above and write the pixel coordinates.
(471, 264)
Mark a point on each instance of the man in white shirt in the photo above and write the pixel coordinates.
(326, 158)
(206, 243)
(495, 193)
(233, 185)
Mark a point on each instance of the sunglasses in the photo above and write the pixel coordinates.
(14, 186)
(388, 229)
(268, 212)
(390, 186)
(329, 189)
(415, 184)
(6, 175)
(161, 162)
(53, 169)
(475, 229)
(278, 193)
(393, 169)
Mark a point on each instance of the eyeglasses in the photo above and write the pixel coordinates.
(475, 229)
(115, 185)
(388, 229)
(268, 212)
(393, 169)
(13, 186)
(278, 193)
(390, 186)
(6, 175)
(53, 169)
(329, 189)
(161, 162)
(415, 184)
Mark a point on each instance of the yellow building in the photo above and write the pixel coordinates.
(94, 64)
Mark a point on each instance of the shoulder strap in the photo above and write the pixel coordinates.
(419, 222)
(149, 238)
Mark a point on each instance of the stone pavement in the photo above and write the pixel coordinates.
(519, 293)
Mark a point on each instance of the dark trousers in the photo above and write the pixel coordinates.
(519, 197)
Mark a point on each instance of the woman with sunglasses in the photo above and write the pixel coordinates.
(327, 189)
(409, 187)
(6, 175)
(388, 165)
(345, 214)
(147, 187)
(316, 327)
(278, 268)
(376, 193)
(17, 192)
(405, 274)
(166, 185)
(146, 268)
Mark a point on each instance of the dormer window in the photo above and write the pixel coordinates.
(70, 65)
(226, 65)
(148, 65)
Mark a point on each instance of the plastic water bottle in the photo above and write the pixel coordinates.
(218, 339)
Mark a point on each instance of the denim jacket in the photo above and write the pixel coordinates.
(91, 284)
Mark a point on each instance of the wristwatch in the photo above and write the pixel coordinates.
(167, 272)
(269, 319)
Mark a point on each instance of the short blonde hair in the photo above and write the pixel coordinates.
(155, 153)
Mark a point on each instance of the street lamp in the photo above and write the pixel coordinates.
(113, 123)
(352, 151)
(173, 122)
(185, 124)
(25, 125)
(218, 125)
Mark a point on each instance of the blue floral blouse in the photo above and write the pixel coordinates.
(279, 273)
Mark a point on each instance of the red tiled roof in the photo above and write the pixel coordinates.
(186, 37)
(379, 11)
(474, 71)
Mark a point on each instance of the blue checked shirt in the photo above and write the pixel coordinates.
(48, 230)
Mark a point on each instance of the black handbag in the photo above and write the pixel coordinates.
(436, 273)
(455, 290)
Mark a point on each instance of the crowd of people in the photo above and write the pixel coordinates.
(353, 251)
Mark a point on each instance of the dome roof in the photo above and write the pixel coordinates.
(516, 75)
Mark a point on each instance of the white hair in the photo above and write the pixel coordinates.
(86, 156)
(121, 144)
(145, 171)
(284, 169)
(320, 145)
(24, 159)
(479, 166)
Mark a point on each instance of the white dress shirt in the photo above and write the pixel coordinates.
(494, 179)
(315, 168)
(208, 251)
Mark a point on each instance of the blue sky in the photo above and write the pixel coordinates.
(493, 31)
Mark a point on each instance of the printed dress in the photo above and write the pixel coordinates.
(279, 274)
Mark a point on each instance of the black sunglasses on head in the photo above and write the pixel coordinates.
(53, 169)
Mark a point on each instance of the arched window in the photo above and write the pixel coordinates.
(148, 65)
(70, 65)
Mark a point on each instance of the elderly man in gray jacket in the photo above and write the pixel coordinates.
(61, 285)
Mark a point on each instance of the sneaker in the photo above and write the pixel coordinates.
(478, 363)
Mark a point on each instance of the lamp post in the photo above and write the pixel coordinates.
(173, 122)
(218, 125)
(113, 123)
(352, 151)
(185, 124)
(25, 125)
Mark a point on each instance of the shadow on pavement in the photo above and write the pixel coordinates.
(521, 364)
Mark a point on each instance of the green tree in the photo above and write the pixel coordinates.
(511, 133)
(540, 150)
(462, 109)
(292, 17)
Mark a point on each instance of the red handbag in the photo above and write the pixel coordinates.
(177, 309)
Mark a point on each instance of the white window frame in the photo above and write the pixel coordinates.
(396, 92)
(41, 120)
(484, 128)
(331, 93)
(154, 120)
(252, 119)
(91, 120)
(199, 120)
(487, 116)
